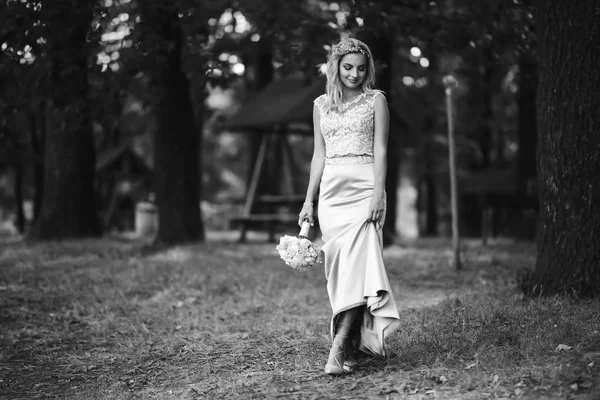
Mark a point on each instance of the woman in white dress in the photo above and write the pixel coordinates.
(351, 127)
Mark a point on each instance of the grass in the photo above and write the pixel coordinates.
(105, 320)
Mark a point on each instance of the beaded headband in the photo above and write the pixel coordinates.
(346, 48)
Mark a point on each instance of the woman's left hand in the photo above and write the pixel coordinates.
(377, 210)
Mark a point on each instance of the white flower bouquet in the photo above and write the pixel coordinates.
(297, 251)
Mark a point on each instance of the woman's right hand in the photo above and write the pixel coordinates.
(306, 213)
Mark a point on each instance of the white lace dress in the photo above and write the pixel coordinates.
(354, 268)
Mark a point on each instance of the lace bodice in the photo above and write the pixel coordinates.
(349, 131)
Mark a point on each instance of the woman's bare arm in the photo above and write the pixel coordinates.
(316, 169)
(381, 134)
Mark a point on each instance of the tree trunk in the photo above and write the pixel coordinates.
(568, 158)
(393, 163)
(382, 48)
(431, 206)
(68, 209)
(527, 126)
(264, 75)
(38, 135)
(176, 152)
(18, 188)
(487, 112)
(524, 221)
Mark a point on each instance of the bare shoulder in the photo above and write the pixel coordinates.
(320, 100)
(379, 96)
(319, 103)
(379, 100)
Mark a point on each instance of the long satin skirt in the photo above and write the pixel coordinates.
(354, 268)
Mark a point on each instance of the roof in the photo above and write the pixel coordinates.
(289, 101)
(113, 155)
(283, 101)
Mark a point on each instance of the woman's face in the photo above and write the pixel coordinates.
(353, 69)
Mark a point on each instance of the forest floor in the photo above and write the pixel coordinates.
(104, 319)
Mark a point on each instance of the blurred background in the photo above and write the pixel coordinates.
(171, 119)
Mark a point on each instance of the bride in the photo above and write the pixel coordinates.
(351, 127)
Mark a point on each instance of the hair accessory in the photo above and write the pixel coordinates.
(346, 48)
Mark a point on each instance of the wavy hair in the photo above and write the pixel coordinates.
(333, 88)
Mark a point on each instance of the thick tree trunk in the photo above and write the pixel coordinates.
(68, 209)
(568, 148)
(176, 153)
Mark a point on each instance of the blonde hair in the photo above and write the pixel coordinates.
(333, 88)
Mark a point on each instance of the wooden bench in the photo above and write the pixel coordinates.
(277, 207)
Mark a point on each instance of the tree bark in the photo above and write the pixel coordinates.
(568, 157)
(431, 206)
(527, 125)
(38, 134)
(68, 209)
(382, 48)
(393, 160)
(176, 151)
(18, 188)
(487, 112)
(264, 75)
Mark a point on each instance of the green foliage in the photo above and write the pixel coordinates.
(297, 30)
(129, 39)
(34, 41)
(19, 76)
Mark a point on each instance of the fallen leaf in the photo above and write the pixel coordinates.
(574, 387)
(442, 379)
(410, 390)
(292, 389)
(563, 347)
